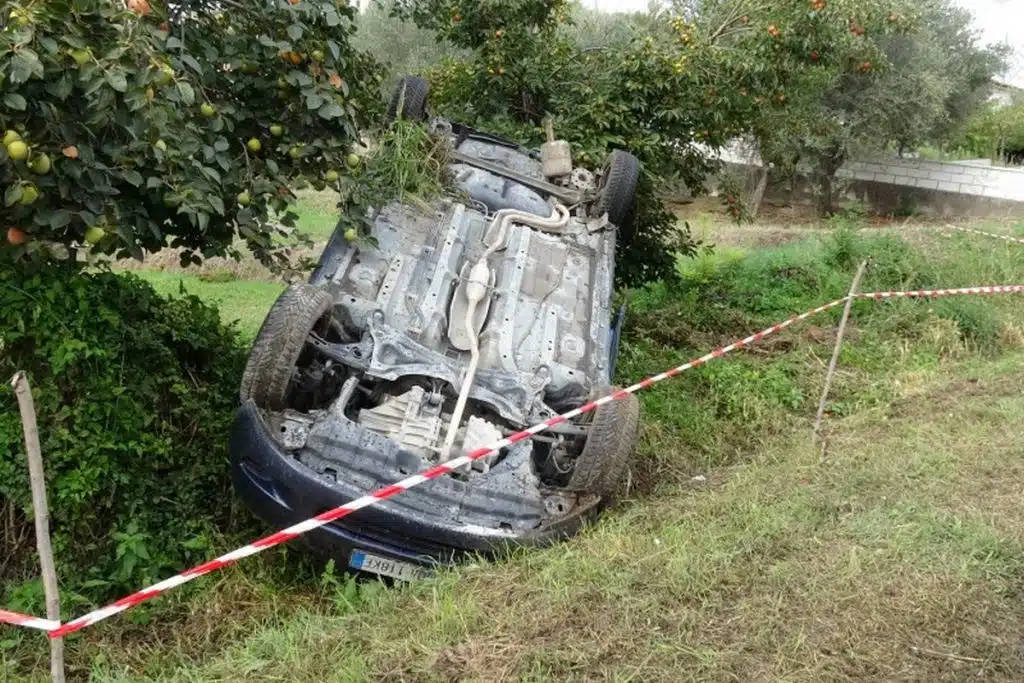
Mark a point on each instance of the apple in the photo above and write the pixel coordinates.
(40, 164)
(332, 176)
(277, 130)
(11, 136)
(160, 145)
(29, 194)
(317, 55)
(244, 198)
(351, 235)
(207, 110)
(80, 56)
(352, 161)
(254, 145)
(94, 234)
(17, 150)
(16, 236)
(295, 153)
(164, 76)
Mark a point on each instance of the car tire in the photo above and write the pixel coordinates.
(279, 344)
(617, 191)
(602, 464)
(414, 106)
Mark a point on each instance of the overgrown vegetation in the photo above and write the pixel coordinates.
(135, 395)
(996, 132)
(407, 164)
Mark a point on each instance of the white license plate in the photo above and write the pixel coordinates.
(385, 566)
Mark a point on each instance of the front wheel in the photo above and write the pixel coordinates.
(409, 99)
(602, 465)
(616, 193)
(300, 310)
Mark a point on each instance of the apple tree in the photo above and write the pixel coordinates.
(132, 126)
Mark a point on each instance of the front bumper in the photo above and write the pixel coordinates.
(283, 491)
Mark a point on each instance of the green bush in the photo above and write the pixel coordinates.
(135, 395)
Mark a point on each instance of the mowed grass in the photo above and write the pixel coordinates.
(241, 302)
(740, 552)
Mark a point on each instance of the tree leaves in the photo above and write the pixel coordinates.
(191, 63)
(15, 101)
(120, 101)
(60, 218)
(331, 110)
(12, 195)
(133, 177)
(187, 94)
(117, 80)
(25, 64)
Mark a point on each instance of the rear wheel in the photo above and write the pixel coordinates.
(409, 99)
(300, 310)
(617, 192)
(601, 466)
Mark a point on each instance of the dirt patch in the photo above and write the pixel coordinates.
(223, 269)
(952, 396)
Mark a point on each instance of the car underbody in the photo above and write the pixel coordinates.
(466, 320)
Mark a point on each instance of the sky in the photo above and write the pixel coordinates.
(998, 20)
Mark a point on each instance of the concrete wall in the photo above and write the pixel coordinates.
(891, 185)
(991, 182)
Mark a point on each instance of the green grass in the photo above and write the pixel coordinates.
(317, 216)
(241, 302)
(893, 554)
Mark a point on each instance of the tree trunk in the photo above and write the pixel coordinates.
(825, 203)
(754, 205)
(829, 165)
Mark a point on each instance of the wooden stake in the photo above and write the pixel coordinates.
(835, 352)
(42, 515)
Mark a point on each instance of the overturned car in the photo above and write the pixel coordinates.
(463, 323)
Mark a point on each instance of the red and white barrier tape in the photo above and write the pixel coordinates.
(929, 293)
(27, 621)
(292, 532)
(997, 236)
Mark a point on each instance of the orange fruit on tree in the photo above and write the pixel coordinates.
(140, 7)
(16, 236)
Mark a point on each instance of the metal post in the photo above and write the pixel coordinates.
(835, 352)
(35, 468)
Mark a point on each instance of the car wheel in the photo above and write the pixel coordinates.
(268, 374)
(414, 90)
(602, 464)
(617, 191)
